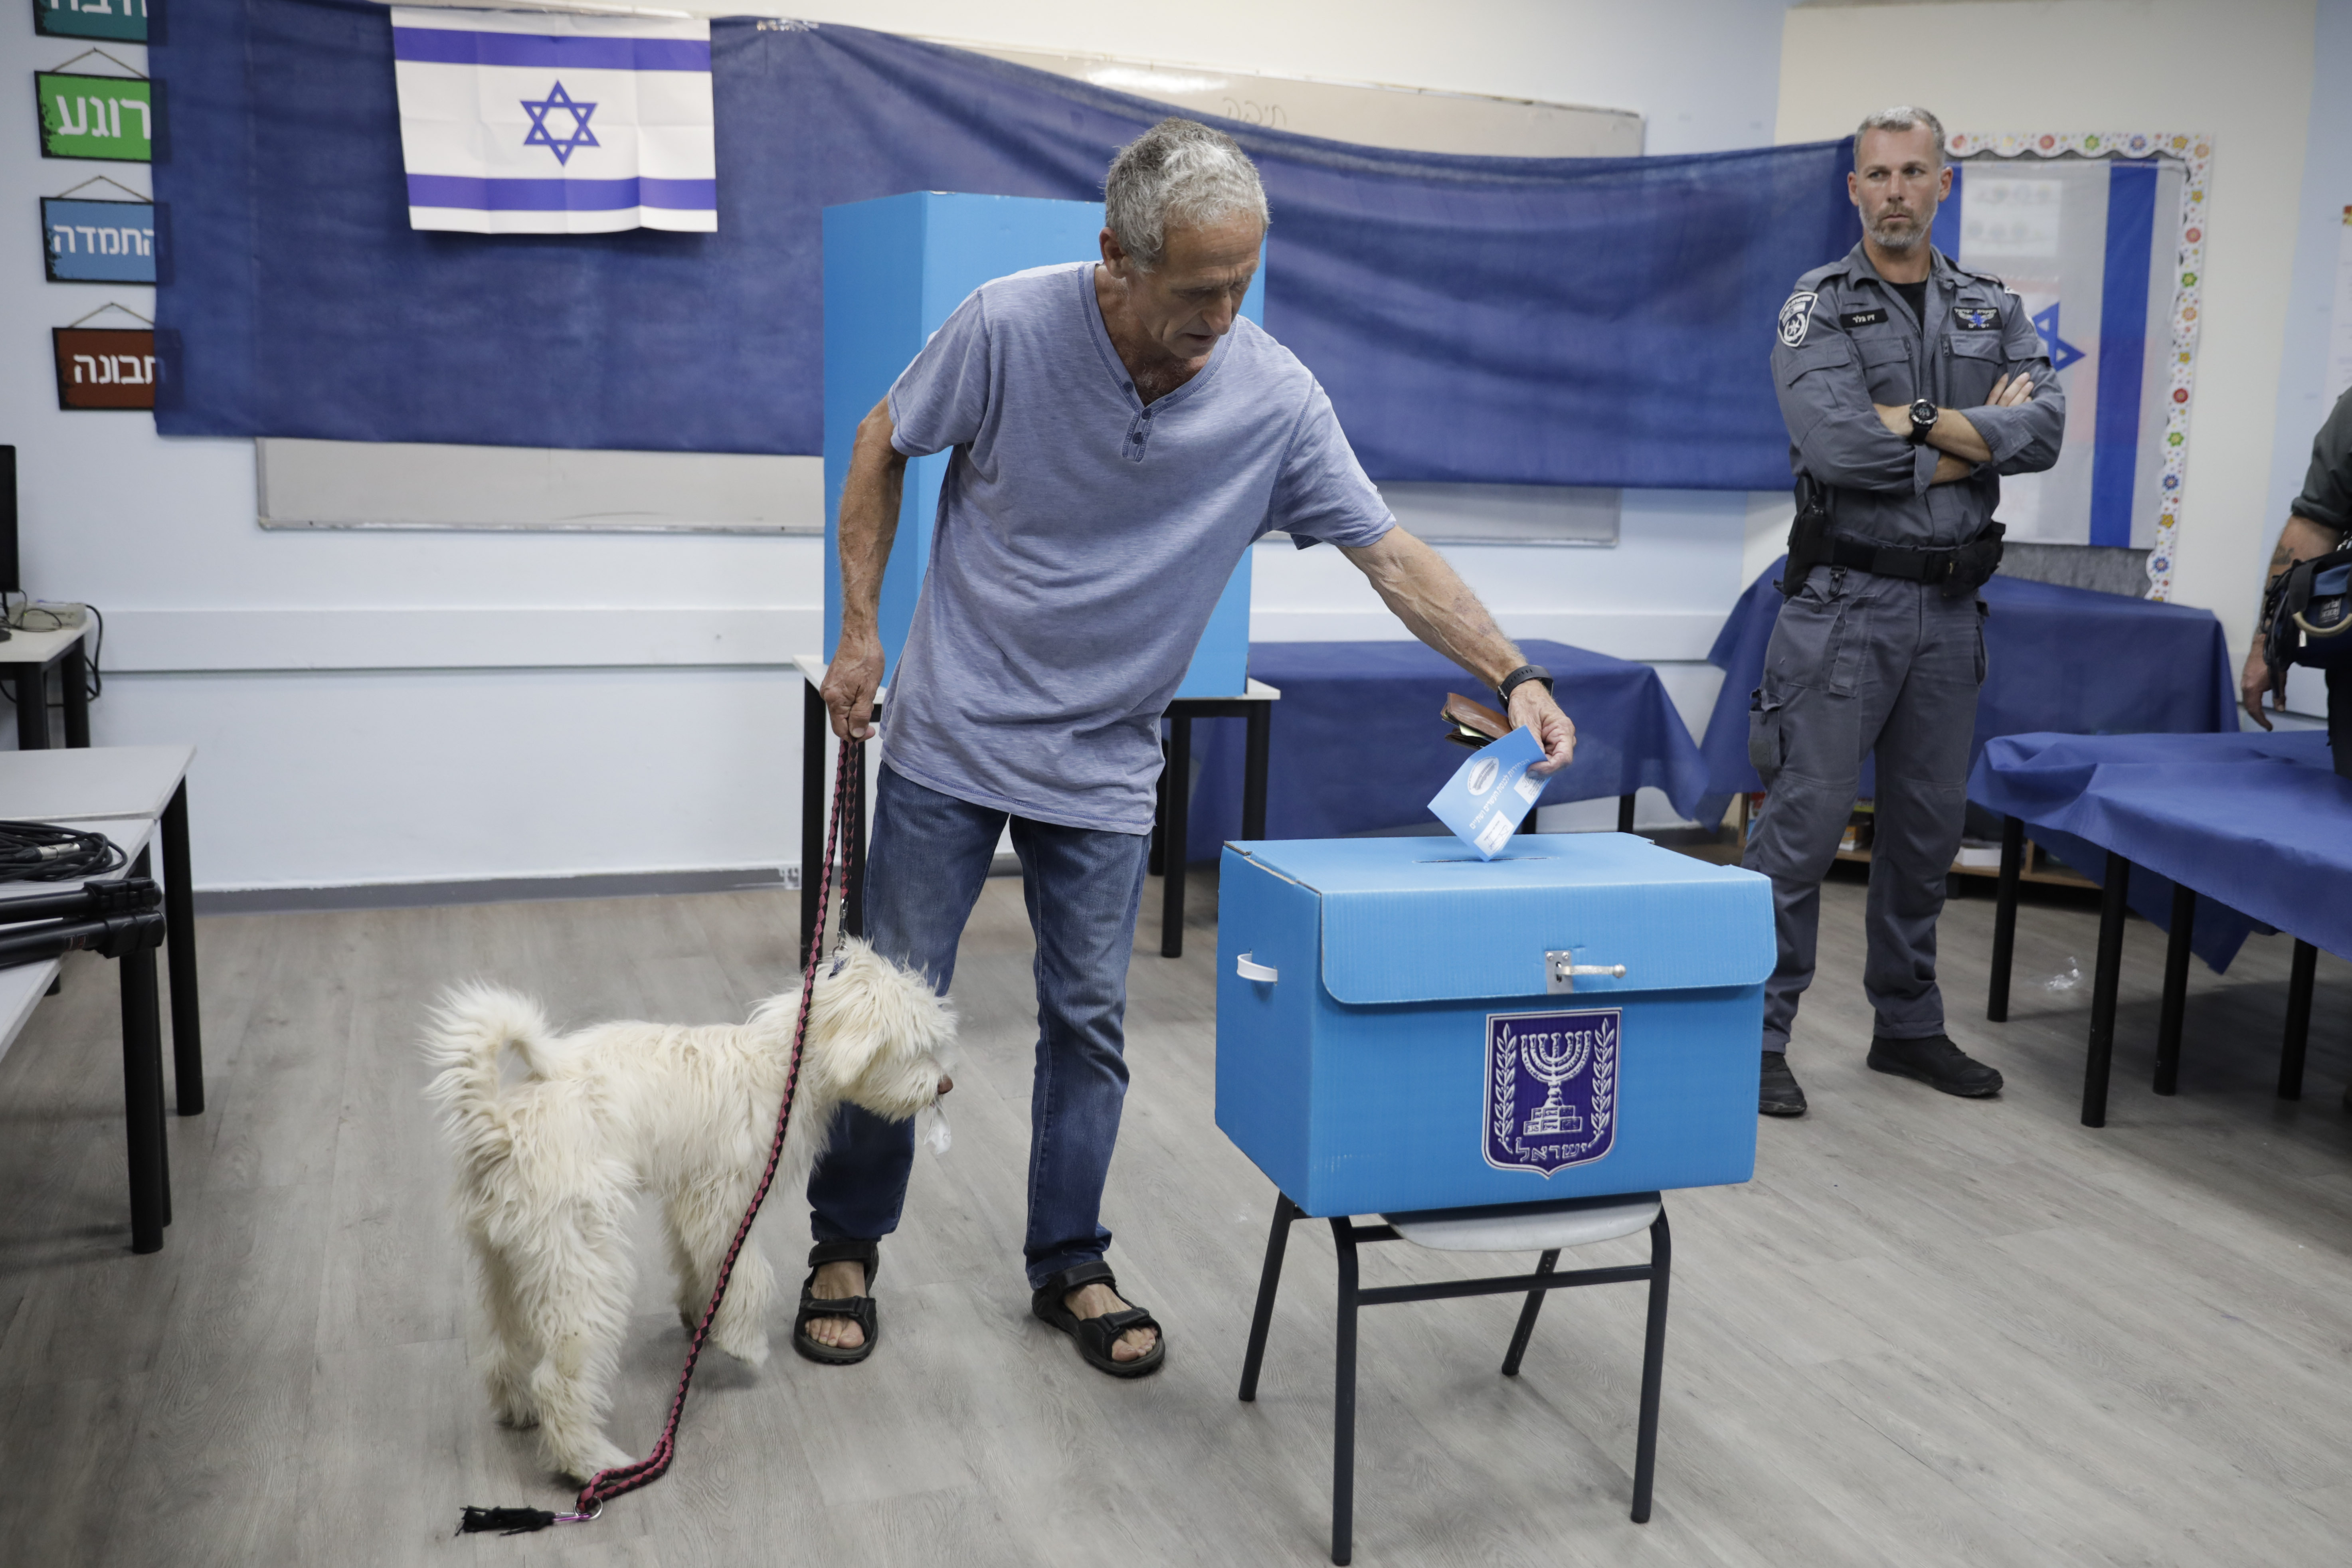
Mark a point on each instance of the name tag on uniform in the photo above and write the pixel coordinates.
(1976, 318)
(1852, 318)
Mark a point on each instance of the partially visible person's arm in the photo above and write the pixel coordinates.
(869, 521)
(1840, 437)
(2300, 540)
(1437, 606)
(1955, 434)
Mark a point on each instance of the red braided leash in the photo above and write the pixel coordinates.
(612, 1483)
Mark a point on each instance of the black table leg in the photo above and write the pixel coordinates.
(180, 951)
(74, 672)
(143, 960)
(815, 734)
(1173, 850)
(1269, 1280)
(2106, 978)
(2176, 988)
(142, 1101)
(2004, 917)
(1257, 749)
(1156, 864)
(1624, 813)
(31, 685)
(1343, 1399)
(2298, 1019)
(853, 867)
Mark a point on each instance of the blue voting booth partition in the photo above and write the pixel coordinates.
(1393, 1034)
(896, 268)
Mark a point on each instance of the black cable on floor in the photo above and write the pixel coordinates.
(43, 852)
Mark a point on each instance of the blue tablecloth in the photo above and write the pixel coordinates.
(1357, 746)
(2064, 659)
(2258, 823)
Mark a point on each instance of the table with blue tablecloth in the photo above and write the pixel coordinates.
(2056, 659)
(1357, 746)
(2210, 837)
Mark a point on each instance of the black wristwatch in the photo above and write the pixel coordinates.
(1924, 416)
(1519, 678)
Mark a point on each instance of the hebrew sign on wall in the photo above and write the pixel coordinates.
(104, 367)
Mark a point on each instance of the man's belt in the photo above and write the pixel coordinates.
(1968, 565)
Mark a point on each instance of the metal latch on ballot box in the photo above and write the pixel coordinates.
(1561, 970)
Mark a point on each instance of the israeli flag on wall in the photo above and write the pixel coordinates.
(515, 123)
(2090, 244)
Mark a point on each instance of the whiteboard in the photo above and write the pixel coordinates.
(365, 485)
(1371, 114)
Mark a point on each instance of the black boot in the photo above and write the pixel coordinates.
(1778, 1094)
(1934, 1061)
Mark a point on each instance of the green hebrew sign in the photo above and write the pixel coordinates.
(108, 117)
(123, 21)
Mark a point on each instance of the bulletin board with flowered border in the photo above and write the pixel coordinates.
(2193, 151)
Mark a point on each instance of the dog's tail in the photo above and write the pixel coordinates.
(468, 1035)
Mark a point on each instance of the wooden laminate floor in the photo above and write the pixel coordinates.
(1929, 1332)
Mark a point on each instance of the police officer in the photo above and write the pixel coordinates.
(1909, 386)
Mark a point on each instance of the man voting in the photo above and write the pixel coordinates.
(1120, 436)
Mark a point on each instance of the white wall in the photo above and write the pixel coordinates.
(2241, 69)
(421, 707)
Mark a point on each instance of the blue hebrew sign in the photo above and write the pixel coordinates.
(124, 21)
(1551, 1088)
(98, 242)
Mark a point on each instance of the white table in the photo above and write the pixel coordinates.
(22, 987)
(78, 786)
(25, 660)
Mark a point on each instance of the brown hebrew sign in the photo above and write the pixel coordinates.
(104, 367)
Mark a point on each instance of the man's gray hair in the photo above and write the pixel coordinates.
(1179, 173)
(1902, 117)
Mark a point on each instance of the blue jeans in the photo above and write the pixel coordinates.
(928, 857)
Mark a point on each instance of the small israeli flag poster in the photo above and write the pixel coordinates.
(542, 123)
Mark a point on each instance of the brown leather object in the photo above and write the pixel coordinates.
(1475, 723)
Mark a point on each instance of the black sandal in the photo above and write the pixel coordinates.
(1095, 1336)
(858, 1308)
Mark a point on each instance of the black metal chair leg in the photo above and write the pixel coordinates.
(1654, 1367)
(2298, 1019)
(1269, 1280)
(2106, 977)
(1343, 1399)
(2004, 917)
(2176, 989)
(1526, 1331)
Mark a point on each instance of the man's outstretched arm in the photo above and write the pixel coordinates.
(869, 521)
(1437, 606)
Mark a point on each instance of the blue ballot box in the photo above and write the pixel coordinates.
(895, 268)
(1401, 1025)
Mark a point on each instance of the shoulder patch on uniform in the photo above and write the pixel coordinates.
(1852, 318)
(1976, 318)
(1797, 317)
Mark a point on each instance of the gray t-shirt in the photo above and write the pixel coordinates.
(1083, 540)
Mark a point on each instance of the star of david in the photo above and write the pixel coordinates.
(561, 146)
(2061, 352)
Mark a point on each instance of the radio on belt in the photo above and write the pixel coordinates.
(1401, 1025)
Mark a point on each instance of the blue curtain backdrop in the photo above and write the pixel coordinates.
(1594, 321)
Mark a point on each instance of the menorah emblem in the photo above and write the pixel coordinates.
(1551, 1088)
(1553, 1060)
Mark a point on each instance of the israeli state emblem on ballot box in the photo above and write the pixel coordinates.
(1401, 1026)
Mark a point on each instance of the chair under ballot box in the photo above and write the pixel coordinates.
(1520, 1053)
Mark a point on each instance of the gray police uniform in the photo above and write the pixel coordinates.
(1862, 663)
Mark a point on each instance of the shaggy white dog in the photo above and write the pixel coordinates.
(549, 1167)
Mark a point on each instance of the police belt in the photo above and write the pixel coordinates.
(1968, 565)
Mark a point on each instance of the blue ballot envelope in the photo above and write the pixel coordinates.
(1403, 1026)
